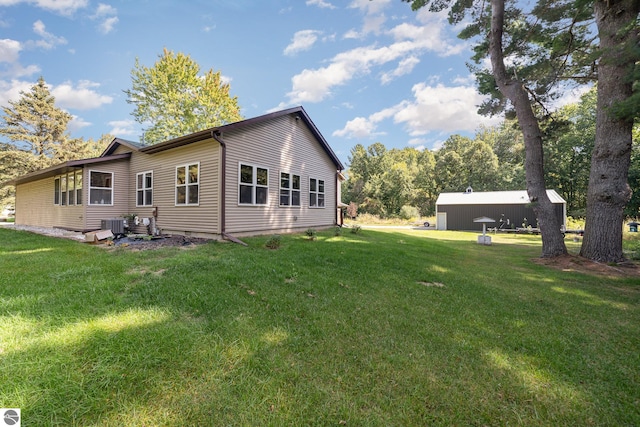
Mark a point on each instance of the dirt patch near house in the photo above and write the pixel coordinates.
(138, 244)
(583, 265)
(141, 244)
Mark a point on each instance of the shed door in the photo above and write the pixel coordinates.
(441, 221)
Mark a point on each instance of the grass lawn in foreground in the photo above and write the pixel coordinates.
(381, 328)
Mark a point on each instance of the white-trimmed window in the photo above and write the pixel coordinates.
(144, 189)
(253, 185)
(289, 189)
(188, 184)
(56, 191)
(316, 193)
(78, 187)
(67, 189)
(71, 189)
(100, 188)
(63, 190)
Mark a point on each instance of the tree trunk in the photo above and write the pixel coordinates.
(550, 226)
(608, 191)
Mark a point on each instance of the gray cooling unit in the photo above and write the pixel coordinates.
(116, 225)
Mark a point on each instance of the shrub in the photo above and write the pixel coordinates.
(337, 231)
(273, 242)
(409, 212)
(355, 229)
(311, 233)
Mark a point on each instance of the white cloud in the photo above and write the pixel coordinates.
(441, 108)
(123, 127)
(320, 3)
(63, 7)
(410, 41)
(359, 127)
(10, 90)
(301, 41)
(81, 97)
(107, 15)
(365, 127)
(433, 109)
(404, 67)
(9, 50)
(108, 24)
(370, 7)
(77, 123)
(373, 20)
(48, 41)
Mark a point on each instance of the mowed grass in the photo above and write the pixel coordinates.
(381, 328)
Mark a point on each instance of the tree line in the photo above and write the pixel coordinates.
(382, 181)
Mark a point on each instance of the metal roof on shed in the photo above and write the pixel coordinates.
(517, 197)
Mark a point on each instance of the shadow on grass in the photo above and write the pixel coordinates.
(345, 328)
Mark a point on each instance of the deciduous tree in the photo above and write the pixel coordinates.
(173, 99)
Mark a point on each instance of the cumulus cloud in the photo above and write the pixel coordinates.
(107, 17)
(301, 41)
(48, 40)
(62, 7)
(441, 108)
(320, 3)
(433, 109)
(9, 50)
(83, 96)
(123, 127)
(405, 66)
(409, 42)
(10, 90)
(358, 128)
(77, 123)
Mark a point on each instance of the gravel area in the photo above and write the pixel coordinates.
(124, 242)
(54, 232)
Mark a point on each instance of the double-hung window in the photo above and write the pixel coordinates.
(63, 190)
(316, 193)
(188, 184)
(253, 185)
(78, 187)
(56, 191)
(289, 189)
(100, 188)
(71, 189)
(144, 189)
(67, 189)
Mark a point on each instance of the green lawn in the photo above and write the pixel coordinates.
(381, 328)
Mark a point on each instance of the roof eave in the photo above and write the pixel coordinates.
(63, 168)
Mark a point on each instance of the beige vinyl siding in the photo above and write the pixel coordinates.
(96, 213)
(201, 220)
(34, 206)
(282, 145)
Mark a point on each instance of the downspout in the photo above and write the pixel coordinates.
(223, 181)
(223, 193)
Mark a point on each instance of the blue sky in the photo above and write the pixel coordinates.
(365, 71)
